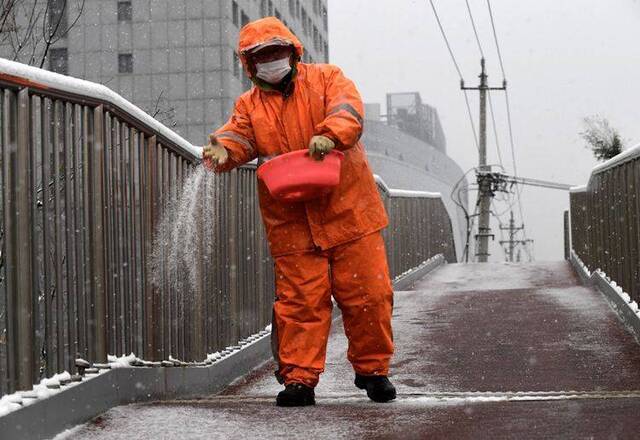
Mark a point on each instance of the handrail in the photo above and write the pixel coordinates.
(605, 220)
(81, 91)
(419, 228)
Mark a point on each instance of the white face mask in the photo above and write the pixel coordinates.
(273, 71)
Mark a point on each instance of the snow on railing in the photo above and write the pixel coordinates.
(604, 219)
(627, 155)
(29, 76)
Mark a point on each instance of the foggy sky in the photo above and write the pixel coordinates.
(564, 60)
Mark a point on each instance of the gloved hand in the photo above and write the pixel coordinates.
(214, 154)
(320, 146)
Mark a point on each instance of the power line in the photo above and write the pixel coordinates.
(455, 63)
(475, 31)
(506, 92)
(495, 130)
(495, 37)
(513, 150)
(473, 125)
(513, 159)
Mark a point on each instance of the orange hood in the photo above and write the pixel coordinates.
(265, 30)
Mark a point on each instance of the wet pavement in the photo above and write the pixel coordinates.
(482, 351)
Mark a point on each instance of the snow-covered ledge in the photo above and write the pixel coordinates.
(406, 280)
(29, 76)
(44, 412)
(619, 300)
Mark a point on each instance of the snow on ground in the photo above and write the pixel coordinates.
(497, 276)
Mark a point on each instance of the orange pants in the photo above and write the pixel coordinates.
(358, 276)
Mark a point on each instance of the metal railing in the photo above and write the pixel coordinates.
(419, 228)
(605, 216)
(85, 178)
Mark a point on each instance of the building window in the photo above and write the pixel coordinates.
(244, 20)
(270, 7)
(326, 52)
(124, 11)
(236, 65)
(298, 9)
(59, 60)
(125, 63)
(292, 8)
(57, 17)
(234, 13)
(278, 15)
(315, 7)
(263, 8)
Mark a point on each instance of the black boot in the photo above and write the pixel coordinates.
(296, 394)
(379, 389)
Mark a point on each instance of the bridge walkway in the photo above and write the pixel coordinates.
(482, 351)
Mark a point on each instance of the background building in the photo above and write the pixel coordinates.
(174, 59)
(407, 112)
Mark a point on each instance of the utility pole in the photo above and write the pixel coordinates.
(484, 176)
(512, 233)
(512, 242)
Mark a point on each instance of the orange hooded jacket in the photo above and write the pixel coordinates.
(265, 122)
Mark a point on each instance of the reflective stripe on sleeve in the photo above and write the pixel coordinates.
(349, 108)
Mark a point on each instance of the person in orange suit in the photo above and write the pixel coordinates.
(328, 245)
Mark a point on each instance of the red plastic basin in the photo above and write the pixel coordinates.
(296, 176)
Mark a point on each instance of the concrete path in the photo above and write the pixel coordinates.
(482, 351)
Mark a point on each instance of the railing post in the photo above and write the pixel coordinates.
(152, 336)
(232, 246)
(24, 294)
(567, 239)
(96, 214)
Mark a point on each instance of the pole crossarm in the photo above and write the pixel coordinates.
(538, 182)
(462, 87)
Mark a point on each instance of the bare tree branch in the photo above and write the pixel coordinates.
(54, 35)
(163, 111)
(20, 19)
